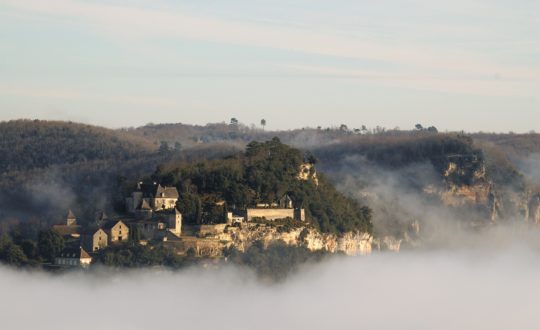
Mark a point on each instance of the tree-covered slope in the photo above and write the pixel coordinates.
(263, 174)
(31, 144)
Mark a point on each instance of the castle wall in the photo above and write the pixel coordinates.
(270, 214)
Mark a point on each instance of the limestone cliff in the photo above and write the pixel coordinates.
(465, 184)
(241, 238)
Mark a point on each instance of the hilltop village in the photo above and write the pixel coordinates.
(152, 218)
(270, 194)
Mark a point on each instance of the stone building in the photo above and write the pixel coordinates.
(283, 209)
(285, 202)
(73, 257)
(94, 239)
(69, 229)
(174, 222)
(159, 225)
(71, 219)
(116, 230)
(155, 197)
(234, 218)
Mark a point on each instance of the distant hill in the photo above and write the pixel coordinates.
(515, 145)
(34, 144)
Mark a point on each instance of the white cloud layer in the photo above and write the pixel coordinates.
(467, 289)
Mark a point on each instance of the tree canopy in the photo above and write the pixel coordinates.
(263, 174)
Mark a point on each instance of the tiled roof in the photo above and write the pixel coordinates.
(65, 230)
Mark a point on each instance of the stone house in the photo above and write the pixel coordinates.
(159, 225)
(94, 239)
(116, 230)
(156, 197)
(150, 229)
(73, 257)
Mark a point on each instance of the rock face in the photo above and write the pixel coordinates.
(387, 243)
(532, 212)
(465, 184)
(308, 172)
(352, 243)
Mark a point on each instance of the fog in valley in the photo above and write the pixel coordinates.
(448, 277)
(469, 288)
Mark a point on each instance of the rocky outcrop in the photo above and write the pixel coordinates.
(465, 184)
(308, 172)
(533, 210)
(351, 243)
(387, 243)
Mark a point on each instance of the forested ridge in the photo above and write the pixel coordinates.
(48, 166)
(31, 144)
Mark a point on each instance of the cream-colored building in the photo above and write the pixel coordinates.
(116, 230)
(94, 239)
(175, 222)
(283, 209)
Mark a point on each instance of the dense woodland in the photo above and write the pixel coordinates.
(29, 144)
(263, 174)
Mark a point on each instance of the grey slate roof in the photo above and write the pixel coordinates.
(76, 253)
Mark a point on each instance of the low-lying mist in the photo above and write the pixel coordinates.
(480, 287)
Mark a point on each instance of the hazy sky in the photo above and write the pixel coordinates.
(463, 64)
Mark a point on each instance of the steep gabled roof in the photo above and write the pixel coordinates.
(84, 254)
(108, 225)
(286, 198)
(91, 231)
(166, 192)
(153, 190)
(70, 215)
(172, 236)
(65, 230)
(145, 205)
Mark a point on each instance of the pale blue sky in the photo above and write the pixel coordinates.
(472, 65)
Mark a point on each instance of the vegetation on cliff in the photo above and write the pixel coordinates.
(263, 174)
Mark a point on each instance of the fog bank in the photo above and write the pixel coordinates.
(469, 289)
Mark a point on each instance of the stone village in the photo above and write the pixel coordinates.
(153, 216)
